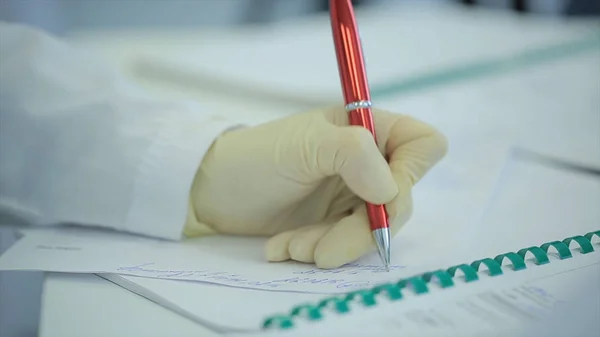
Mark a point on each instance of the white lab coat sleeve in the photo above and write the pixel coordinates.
(80, 145)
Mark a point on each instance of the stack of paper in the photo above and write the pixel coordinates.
(205, 278)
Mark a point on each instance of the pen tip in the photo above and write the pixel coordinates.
(382, 239)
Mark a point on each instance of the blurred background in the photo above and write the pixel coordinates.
(20, 293)
(61, 16)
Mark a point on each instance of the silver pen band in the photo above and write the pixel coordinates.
(358, 105)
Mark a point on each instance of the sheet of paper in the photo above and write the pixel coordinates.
(550, 109)
(221, 308)
(513, 304)
(231, 261)
(554, 110)
(536, 203)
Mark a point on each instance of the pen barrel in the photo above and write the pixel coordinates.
(378, 216)
(362, 117)
(354, 82)
(349, 54)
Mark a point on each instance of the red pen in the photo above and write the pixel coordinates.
(357, 98)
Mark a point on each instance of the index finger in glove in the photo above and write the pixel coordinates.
(412, 146)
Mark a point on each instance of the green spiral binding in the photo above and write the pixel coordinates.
(442, 278)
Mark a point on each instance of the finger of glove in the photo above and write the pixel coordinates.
(352, 153)
(412, 146)
(277, 247)
(303, 243)
(400, 209)
(348, 239)
(351, 237)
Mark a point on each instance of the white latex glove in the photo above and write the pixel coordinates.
(303, 180)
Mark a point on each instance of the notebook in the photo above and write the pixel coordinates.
(528, 267)
(503, 293)
(525, 224)
(226, 310)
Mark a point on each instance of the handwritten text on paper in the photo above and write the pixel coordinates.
(337, 280)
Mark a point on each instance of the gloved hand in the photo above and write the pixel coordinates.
(303, 180)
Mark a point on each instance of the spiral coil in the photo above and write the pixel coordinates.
(421, 284)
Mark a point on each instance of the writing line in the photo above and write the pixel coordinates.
(335, 283)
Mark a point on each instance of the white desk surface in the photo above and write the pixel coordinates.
(86, 305)
(75, 305)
